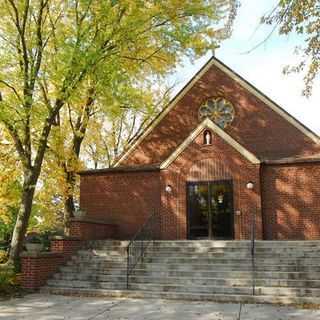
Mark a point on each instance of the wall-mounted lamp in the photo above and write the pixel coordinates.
(168, 188)
(250, 185)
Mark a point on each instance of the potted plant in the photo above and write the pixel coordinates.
(34, 244)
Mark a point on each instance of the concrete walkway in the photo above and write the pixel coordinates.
(46, 307)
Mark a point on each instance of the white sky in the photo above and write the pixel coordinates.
(263, 66)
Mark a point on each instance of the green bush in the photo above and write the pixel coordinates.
(3, 256)
(8, 281)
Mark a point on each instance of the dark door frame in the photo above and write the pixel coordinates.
(208, 182)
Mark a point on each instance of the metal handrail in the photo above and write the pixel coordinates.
(140, 242)
(253, 266)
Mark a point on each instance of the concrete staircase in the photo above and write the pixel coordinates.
(286, 271)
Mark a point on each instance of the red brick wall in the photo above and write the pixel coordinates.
(256, 126)
(218, 161)
(37, 268)
(128, 198)
(87, 230)
(67, 247)
(287, 207)
(123, 199)
(291, 201)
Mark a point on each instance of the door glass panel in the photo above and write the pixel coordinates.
(221, 210)
(198, 210)
(210, 210)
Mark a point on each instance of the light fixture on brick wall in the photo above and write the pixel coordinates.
(168, 188)
(250, 185)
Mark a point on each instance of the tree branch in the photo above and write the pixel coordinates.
(13, 89)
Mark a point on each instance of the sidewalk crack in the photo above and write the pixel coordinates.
(106, 310)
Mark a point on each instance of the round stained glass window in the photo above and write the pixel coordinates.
(219, 110)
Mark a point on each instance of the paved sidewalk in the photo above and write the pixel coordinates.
(51, 307)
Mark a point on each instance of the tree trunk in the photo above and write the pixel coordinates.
(24, 213)
(69, 202)
(30, 179)
(79, 131)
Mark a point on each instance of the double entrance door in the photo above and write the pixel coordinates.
(210, 209)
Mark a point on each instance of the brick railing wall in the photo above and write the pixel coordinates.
(36, 268)
(91, 229)
(65, 246)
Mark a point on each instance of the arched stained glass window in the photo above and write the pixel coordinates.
(219, 110)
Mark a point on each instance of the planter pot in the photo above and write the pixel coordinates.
(34, 247)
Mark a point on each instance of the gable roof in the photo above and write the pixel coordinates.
(213, 61)
(209, 124)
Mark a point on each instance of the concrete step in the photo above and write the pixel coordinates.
(243, 290)
(195, 280)
(304, 261)
(287, 300)
(285, 270)
(295, 275)
(111, 253)
(288, 291)
(200, 254)
(206, 249)
(194, 288)
(96, 264)
(202, 244)
(231, 260)
(95, 258)
(149, 286)
(86, 284)
(200, 273)
(72, 266)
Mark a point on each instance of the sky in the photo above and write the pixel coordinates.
(263, 66)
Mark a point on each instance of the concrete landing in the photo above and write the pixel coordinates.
(55, 307)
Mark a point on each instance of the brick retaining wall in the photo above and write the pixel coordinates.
(89, 229)
(36, 268)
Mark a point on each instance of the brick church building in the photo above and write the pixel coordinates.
(218, 158)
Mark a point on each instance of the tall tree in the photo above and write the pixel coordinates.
(50, 49)
(301, 17)
(10, 185)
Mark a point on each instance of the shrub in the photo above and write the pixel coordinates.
(8, 281)
(3, 256)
